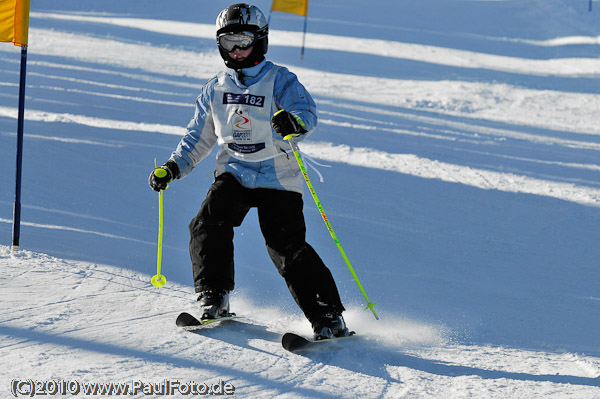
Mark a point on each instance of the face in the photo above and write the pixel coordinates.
(240, 55)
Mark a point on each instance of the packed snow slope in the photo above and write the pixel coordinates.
(463, 139)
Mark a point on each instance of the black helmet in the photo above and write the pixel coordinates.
(251, 25)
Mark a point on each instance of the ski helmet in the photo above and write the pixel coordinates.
(242, 26)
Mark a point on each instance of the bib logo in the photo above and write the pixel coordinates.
(242, 125)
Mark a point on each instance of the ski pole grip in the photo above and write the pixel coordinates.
(160, 173)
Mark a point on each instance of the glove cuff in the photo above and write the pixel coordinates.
(300, 123)
(171, 167)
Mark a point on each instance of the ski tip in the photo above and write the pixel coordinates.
(297, 343)
(293, 342)
(190, 322)
(186, 320)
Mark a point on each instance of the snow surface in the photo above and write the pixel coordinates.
(464, 140)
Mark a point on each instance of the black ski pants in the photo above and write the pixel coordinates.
(282, 224)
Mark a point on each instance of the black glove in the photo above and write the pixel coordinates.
(285, 123)
(160, 177)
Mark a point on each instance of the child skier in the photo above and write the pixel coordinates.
(247, 109)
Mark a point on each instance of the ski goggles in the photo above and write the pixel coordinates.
(241, 40)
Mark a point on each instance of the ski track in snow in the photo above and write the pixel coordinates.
(498, 102)
(416, 166)
(385, 48)
(403, 163)
(98, 93)
(79, 329)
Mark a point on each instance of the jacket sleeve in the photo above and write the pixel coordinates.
(200, 138)
(293, 97)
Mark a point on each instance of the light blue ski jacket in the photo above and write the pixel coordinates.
(206, 129)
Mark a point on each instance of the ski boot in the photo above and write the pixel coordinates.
(330, 325)
(214, 304)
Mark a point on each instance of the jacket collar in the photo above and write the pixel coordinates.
(248, 76)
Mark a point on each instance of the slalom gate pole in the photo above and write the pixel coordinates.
(159, 280)
(16, 235)
(289, 138)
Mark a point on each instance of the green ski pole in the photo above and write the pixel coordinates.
(289, 138)
(158, 280)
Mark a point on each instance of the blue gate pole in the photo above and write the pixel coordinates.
(19, 170)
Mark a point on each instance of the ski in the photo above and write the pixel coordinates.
(297, 343)
(190, 323)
